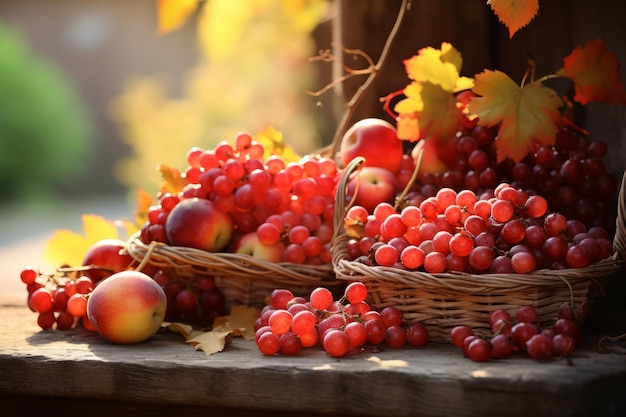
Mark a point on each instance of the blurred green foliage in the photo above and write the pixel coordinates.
(45, 131)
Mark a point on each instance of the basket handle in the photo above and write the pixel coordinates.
(340, 196)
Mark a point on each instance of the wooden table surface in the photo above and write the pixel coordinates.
(75, 372)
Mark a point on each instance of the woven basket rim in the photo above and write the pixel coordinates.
(180, 257)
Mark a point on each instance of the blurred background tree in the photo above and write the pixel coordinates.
(45, 131)
(253, 72)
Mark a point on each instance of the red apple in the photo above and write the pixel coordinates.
(374, 139)
(127, 307)
(375, 185)
(249, 244)
(197, 223)
(107, 256)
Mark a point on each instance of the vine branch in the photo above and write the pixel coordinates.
(373, 71)
(358, 95)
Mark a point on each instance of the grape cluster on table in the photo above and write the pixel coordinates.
(340, 326)
(522, 335)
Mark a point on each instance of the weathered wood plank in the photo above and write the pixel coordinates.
(430, 381)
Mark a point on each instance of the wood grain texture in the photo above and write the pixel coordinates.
(484, 43)
(55, 368)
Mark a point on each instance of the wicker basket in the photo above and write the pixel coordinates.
(242, 278)
(442, 301)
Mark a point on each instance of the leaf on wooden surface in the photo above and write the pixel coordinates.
(514, 14)
(172, 14)
(429, 109)
(240, 317)
(272, 141)
(67, 247)
(211, 342)
(184, 329)
(595, 72)
(528, 114)
(239, 323)
(173, 180)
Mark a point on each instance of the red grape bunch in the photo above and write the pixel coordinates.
(59, 299)
(520, 335)
(288, 324)
(194, 300)
(289, 206)
(511, 231)
(571, 174)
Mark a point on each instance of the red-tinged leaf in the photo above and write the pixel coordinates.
(595, 72)
(528, 114)
(429, 111)
(514, 14)
(172, 14)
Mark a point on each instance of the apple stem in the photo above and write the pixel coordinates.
(418, 164)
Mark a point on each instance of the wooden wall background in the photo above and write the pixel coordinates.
(472, 28)
(128, 46)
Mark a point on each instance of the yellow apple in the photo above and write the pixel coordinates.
(249, 244)
(127, 307)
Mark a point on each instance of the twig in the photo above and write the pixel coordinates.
(358, 95)
(327, 56)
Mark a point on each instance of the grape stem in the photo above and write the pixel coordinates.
(418, 164)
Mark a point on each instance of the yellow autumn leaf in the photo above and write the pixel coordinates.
(239, 323)
(272, 141)
(528, 114)
(143, 203)
(173, 180)
(240, 317)
(172, 14)
(186, 330)
(440, 116)
(211, 342)
(427, 111)
(438, 66)
(66, 247)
